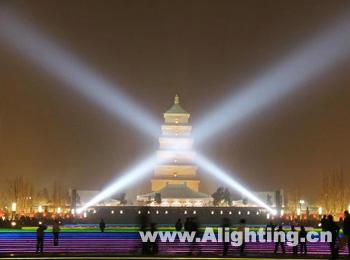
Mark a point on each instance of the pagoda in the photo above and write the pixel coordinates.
(175, 176)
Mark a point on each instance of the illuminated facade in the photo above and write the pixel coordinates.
(175, 176)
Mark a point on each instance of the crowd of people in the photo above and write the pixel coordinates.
(191, 225)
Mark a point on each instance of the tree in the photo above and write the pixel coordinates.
(227, 197)
(333, 191)
(21, 192)
(218, 196)
(158, 198)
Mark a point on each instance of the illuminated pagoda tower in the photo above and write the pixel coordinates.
(175, 177)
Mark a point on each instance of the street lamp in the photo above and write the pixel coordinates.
(298, 211)
(13, 209)
(14, 206)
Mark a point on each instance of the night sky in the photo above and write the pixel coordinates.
(153, 50)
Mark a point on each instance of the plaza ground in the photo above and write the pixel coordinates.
(123, 242)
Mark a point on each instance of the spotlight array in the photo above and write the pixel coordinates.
(301, 66)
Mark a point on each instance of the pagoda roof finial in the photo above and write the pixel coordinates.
(177, 99)
(176, 107)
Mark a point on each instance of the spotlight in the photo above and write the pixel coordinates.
(306, 63)
(121, 211)
(212, 169)
(21, 36)
(112, 212)
(166, 212)
(129, 177)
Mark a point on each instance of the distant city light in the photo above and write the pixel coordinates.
(298, 211)
(14, 206)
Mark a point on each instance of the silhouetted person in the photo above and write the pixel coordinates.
(102, 225)
(324, 223)
(295, 248)
(241, 229)
(56, 232)
(153, 247)
(40, 234)
(144, 220)
(279, 240)
(302, 240)
(346, 228)
(193, 227)
(226, 223)
(187, 224)
(334, 229)
(272, 227)
(178, 225)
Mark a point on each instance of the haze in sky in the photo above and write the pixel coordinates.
(154, 50)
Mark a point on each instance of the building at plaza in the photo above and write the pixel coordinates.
(175, 181)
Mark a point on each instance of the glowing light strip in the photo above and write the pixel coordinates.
(21, 36)
(214, 170)
(306, 63)
(129, 178)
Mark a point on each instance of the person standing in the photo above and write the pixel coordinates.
(280, 239)
(102, 225)
(295, 248)
(346, 228)
(302, 240)
(241, 229)
(226, 224)
(56, 232)
(178, 225)
(334, 229)
(40, 233)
